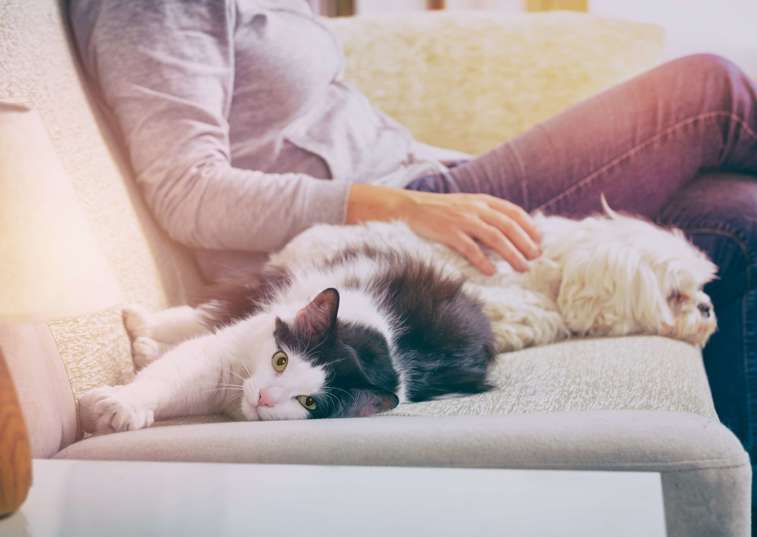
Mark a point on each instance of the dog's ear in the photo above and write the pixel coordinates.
(649, 304)
(608, 290)
(582, 296)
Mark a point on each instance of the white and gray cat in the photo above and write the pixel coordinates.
(347, 335)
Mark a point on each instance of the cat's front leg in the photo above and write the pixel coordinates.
(184, 382)
(107, 410)
(154, 333)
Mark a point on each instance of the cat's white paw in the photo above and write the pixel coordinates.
(145, 350)
(136, 320)
(108, 410)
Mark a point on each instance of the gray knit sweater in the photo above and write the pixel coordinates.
(239, 127)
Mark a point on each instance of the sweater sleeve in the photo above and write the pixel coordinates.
(165, 69)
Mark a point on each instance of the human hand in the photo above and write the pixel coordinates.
(463, 222)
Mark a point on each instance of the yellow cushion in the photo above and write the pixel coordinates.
(470, 80)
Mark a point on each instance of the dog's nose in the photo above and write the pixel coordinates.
(705, 309)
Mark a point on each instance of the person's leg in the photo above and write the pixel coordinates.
(637, 143)
(719, 214)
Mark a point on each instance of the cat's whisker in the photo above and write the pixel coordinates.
(316, 347)
(236, 396)
(335, 388)
(330, 397)
(331, 363)
(222, 389)
(240, 377)
(328, 391)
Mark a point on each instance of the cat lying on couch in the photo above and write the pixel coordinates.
(352, 320)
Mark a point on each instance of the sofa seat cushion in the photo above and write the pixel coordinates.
(692, 453)
(599, 440)
(632, 373)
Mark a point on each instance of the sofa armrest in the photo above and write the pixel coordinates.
(469, 80)
(42, 385)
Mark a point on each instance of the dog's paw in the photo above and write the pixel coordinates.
(145, 350)
(109, 410)
(136, 320)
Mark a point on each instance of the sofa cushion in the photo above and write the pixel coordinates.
(478, 79)
(597, 440)
(638, 372)
(691, 452)
(39, 377)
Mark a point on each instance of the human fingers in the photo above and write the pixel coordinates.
(513, 230)
(497, 241)
(467, 247)
(517, 213)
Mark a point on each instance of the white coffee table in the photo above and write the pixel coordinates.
(92, 498)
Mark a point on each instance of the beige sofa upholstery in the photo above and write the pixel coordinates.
(639, 403)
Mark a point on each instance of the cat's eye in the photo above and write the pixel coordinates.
(307, 401)
(280, 361)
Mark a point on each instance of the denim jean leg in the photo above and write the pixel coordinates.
(719, 214)
(638, 143)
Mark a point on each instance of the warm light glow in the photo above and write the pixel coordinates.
(50, 265)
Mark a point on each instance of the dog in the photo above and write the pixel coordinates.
(611, 274)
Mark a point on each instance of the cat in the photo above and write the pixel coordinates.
(350, 335)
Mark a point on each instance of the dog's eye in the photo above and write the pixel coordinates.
(676, 296)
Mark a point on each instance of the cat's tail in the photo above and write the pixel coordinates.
(227, 301)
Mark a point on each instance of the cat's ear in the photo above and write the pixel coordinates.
(317, 319)
(368, 402)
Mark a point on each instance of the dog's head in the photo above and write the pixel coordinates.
(623, 275)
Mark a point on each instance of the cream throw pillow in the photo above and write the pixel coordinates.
(470, 80)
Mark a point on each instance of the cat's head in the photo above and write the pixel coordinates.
(309, 368)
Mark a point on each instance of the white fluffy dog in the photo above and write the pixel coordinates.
(607, 275)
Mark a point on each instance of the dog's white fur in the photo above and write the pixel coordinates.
(607, 275)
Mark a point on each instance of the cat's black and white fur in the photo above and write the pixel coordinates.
(350, 335)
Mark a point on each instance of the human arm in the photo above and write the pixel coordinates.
(166, 72)
(461, 221)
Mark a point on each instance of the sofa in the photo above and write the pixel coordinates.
(463, 80)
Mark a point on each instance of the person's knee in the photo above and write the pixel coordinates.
(719, 213)
(714, 74)
(707, 66)
(728, 245)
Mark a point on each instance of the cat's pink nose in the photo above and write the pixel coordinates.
(265, 398)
